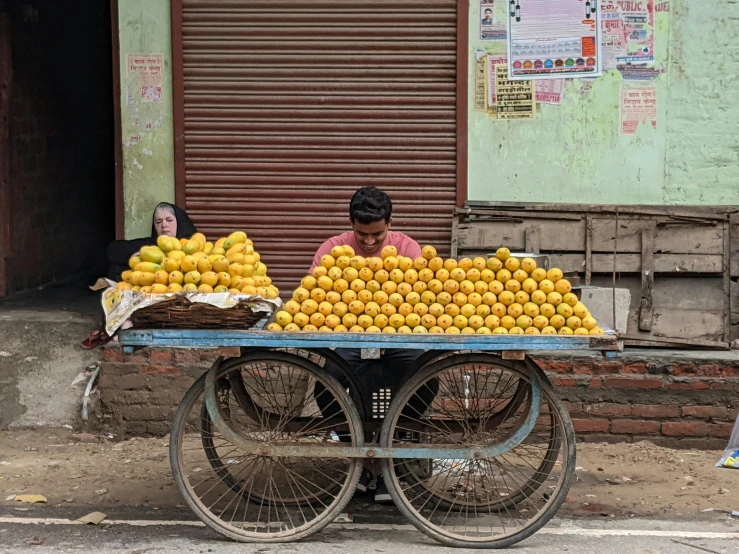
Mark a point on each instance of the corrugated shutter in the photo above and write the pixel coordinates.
(290, 106)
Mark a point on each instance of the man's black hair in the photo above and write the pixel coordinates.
(370, 204)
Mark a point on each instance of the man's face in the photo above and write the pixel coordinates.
(370, 236)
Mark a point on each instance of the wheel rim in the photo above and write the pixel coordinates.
(478, 400)
(261, 498)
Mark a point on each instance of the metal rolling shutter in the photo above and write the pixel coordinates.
(290, 106)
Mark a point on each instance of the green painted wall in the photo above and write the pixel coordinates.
(148, 139)
(573, 153)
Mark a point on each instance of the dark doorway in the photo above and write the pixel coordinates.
(58, 203)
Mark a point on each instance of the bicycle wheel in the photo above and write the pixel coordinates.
(480, 400)
(253, 498)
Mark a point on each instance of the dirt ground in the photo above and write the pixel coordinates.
(611, 480)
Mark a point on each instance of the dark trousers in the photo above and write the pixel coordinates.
(390, 371)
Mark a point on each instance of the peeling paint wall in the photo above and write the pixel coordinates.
(148, 142)
(573, 153)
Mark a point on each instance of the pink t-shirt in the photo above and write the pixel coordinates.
(406, 246)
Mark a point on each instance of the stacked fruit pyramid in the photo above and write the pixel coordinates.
(394, 294)
(196, 265)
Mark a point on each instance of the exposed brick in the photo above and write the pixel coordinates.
(704, 412)
(721, 430)
(559, 367)
(140, 356)
(208, 356)
(161, 370)
(161, 356)
(722, 385)
(634, 369)
(687, 385)
(709, 370)
(229, 351)
(186, 356)
(564, 382)
(684, 428)
(112, 354)
(574, 407)
(609, 410)
(646, 410)
(634, 383)
(596, 383)
(730, 370)
(133, 381)
(608, 368)
(590, 425)
(582, 368)
(634, 427)
(683, 369)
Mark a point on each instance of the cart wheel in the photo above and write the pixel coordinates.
(254, 498)
(478, 400)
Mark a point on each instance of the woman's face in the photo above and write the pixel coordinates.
(165, 223)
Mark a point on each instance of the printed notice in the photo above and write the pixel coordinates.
(554, 39)
(549, 91)
(489, 29)
(638, 105)
(515, 99)
(627, 33)
(148, 70)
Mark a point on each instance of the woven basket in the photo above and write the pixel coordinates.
(180, 313)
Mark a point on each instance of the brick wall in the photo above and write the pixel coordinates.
(640, 396)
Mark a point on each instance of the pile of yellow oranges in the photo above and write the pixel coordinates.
(395, 294)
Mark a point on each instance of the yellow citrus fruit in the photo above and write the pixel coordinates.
(468, 310)
(428, 252)
(557, 321)
(350, 274)
(396, 321)
(506, 297)
(442, 275)
(337, 251)
(538, 297)
(365, 274)
(340, 285)
(389, 251)
(428, 297)
(460, 322)
(481, 287)
(540, 322)
(512, 264)
(596, 331)
(397, 276)
(554, 274)
(375, 264)
(426, 275)
(357, 284)
(292, 307)
(444, 298)
(499, 309)
(450, 264)
(460, 299)
(342, 262)
(373, 286)
(452, 331)
(546, 286)
(566, 331)
(515, 310)
(283, 317)
(205, 289)
(333, 297)
(502, 253)
(318, 271)
(389, 329)
(574, 322)
(410, 276)
(520, 275)
(373, 329)
(356, 329)
(301, 294)
(492, 322)
(580, 310)
(388, 287)
(444, 321)
(532, 331)
(364, 321)
(412, 320)
(465, 264)
(208, 278)
(348, 251)
(372, 309)
(404, 289)
(496, 287)
(436, 309)
(420, 329)
(522, 297)
(358, 262)
(516, 331)
(395, 299)
(405, 309)
(562, 286)
(554, 298)
(328, 261)
(319, 295)
(513, 285)
(570, 298)
(381, 275)
(589, 323)
(528, 265)
(458, 274)
(475, 322)
(547, 310)
(436, 330)
(548, 330)
(539, 274)
(565, 310)
(483, 310)
(388, 309)
(531, 309)
(473, 275)
(308, 282)
(381, 321)
(356, 307)
(452, 310)
(504, 276)
(391, 263)
(340, 309)
(435, 264)
(349, 320)
(474, 298)
(420, 263)
(309, 307)
(466, 287)
(489, 298)
(325, 308)
(451, 286)
(524, 322)
(507, 322)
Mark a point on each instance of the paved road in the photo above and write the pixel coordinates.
(47, 529)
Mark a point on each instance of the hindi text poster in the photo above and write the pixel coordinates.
(638, 105)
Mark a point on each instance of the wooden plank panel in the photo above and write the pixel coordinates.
(646, 309)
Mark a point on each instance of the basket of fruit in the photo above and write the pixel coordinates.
(195, 284)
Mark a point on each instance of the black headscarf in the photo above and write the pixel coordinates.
(120, 251)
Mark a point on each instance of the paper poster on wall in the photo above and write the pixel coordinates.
(515, 99)
(554, 39)
(638, 105)
(549, 91)
(490, 30)
(480, 83)
(627, 32)
(147, 70)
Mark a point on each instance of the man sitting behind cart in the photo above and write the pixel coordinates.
(370, 214)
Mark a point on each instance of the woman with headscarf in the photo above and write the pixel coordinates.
(168, 220)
